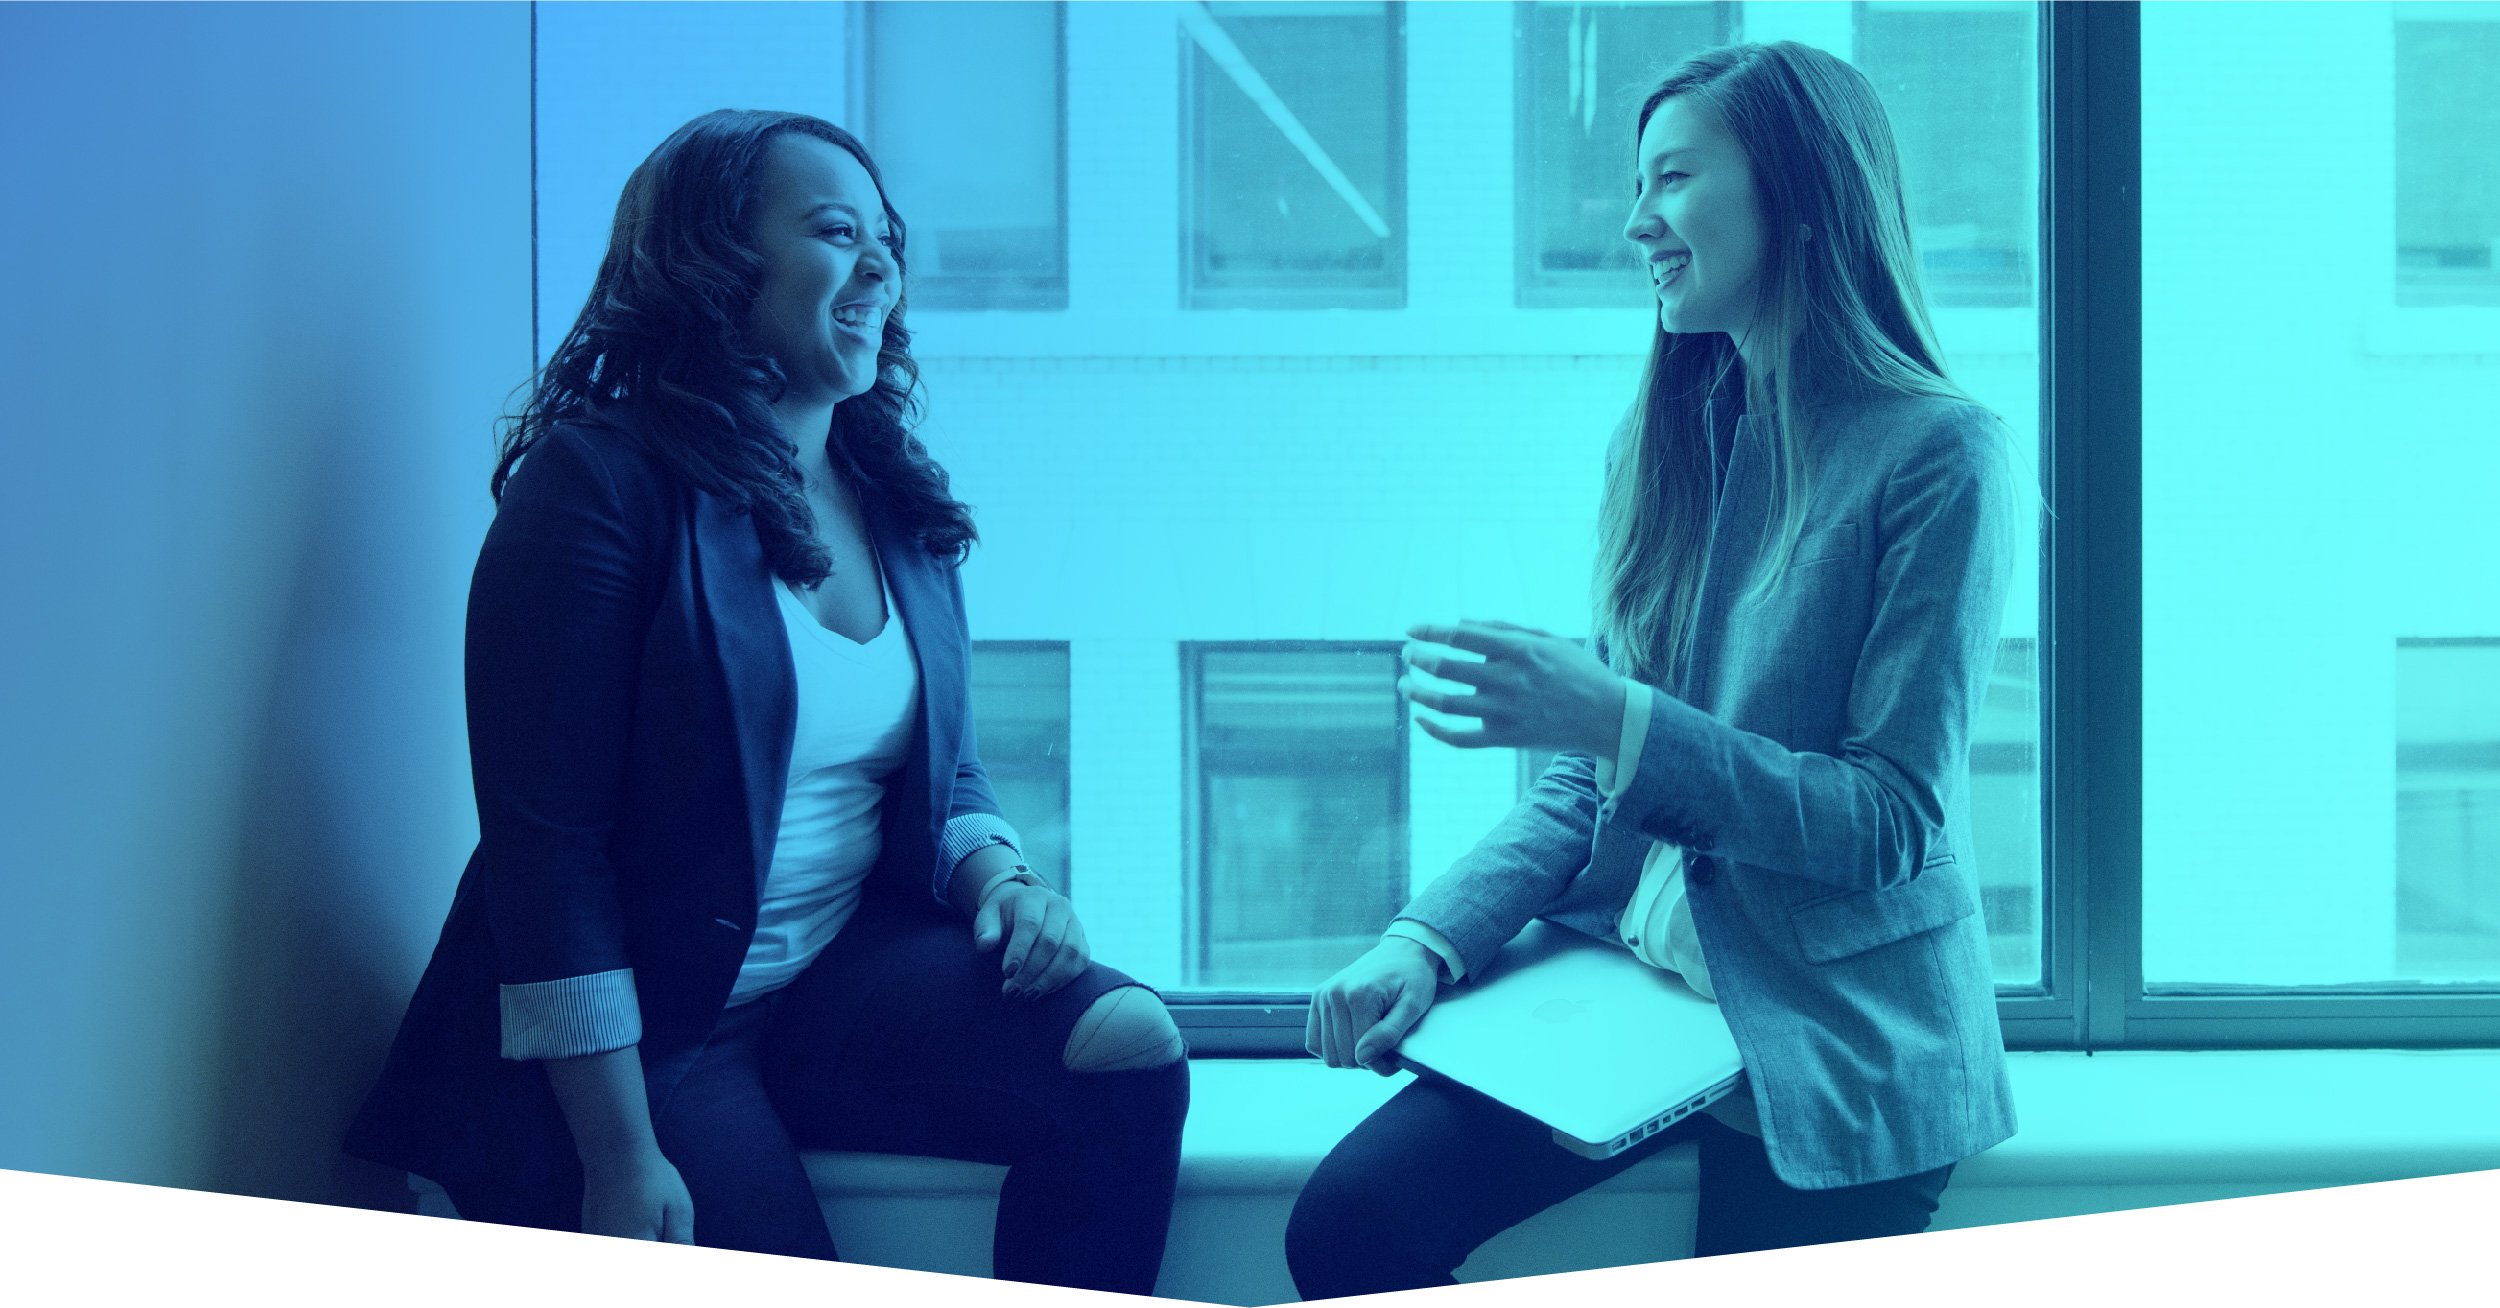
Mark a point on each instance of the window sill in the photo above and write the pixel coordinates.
(2100, 1132)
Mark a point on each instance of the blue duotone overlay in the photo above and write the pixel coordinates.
(1251, 344)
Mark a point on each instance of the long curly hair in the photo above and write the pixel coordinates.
(663, 334)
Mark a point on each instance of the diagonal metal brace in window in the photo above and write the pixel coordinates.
(1200, 23)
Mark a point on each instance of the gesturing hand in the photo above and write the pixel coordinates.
(1532, 689)
(1359, 1015)
(1045, 943)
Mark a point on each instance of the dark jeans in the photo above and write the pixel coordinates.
(937, 1064)
(1440, 1169)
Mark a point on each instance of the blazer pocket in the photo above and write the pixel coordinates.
(1852, 922)
(1837, 541)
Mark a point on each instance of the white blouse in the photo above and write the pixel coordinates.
(856, 707)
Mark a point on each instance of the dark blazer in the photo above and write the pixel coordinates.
(631, 702)
(1812, 760)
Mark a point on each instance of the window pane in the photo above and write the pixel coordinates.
(2448, 809)
(1020, 711)
(2308, 508)
(1583, 71)
(1958, 82)
(951, 83)
(2005, 811)
(1296, 193)
(2447, 154)
(1300, 759)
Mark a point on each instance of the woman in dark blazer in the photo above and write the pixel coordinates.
(741, 886)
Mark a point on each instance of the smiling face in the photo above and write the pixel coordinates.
(829, 278)
(1697, 221)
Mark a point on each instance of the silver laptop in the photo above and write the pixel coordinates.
(1582, 1036)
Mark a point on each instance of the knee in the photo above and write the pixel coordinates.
(1125, 1030)
(1327, 1237)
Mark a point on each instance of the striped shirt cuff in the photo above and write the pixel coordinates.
(966, 832)
(571, 1016)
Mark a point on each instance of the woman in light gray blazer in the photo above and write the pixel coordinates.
(1805, 544)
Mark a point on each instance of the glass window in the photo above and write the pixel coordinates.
(2447, 154)
(1298, 809)
(1020, 713)
(2448, 809)
(2005, 812)
(1957, 80)
(2307, 507)
(1583, 71)
(1295, 194)
(949, 85)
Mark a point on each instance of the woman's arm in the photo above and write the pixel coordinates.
(1871, 814)
(628, 1187)
(558, 611)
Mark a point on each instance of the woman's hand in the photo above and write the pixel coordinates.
(1359, 1015)
(1533, 689)
(638, 1196)
(1045, 943)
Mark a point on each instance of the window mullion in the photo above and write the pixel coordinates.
(2092, 399)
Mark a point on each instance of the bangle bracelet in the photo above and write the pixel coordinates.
(1019, 872)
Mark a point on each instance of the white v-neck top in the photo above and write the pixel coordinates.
(856, 707)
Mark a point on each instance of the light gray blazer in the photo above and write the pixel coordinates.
(1813, 761)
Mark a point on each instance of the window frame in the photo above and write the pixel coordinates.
(2093, 382)
(1532, 288)
(1194, 1008)
(2415, 289)
(1311, 293)
(1065, 883)
(1028, 295)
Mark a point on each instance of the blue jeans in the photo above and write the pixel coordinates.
(1440, 1169)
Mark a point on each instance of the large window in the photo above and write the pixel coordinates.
(964, 108)
(2447, 154)
(1297, 161)
(2316, 786)
(2236, 777)
(1298, 760)
(1583, 71)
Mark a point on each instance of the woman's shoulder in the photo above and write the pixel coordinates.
(601, 453)
(1896, 430)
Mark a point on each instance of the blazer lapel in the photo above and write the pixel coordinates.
(924, 604)
(1736, 525)
(758, 682)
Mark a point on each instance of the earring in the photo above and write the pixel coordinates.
(1805, 231)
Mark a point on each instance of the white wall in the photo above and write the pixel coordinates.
(269, 282)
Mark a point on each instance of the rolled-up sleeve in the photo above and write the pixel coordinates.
(1867, 816)
(558, 611)
(966, 832)
(571, 1016)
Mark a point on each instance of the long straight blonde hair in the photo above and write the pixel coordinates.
(1839, 310)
